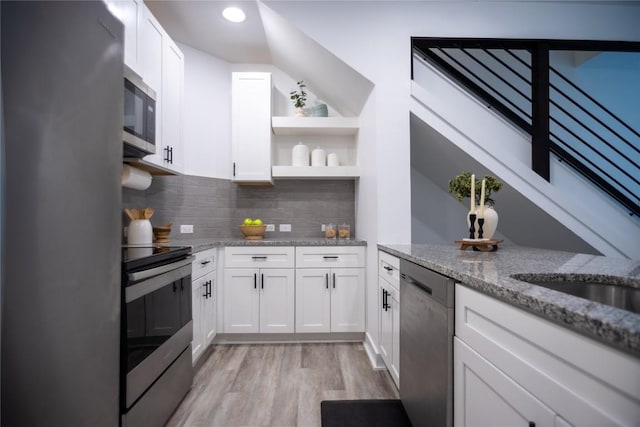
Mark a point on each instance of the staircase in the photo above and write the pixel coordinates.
(510, 105)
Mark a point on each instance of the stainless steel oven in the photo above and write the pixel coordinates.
(139, 130)
(156, 333)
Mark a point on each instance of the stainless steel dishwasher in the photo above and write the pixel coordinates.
(426, 345)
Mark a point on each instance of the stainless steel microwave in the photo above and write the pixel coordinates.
(139, 130)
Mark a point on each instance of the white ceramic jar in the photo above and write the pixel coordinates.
(318, 157)
(332, 159)
(140, 232)
(300, 155)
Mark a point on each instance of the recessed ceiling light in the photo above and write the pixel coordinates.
(234, 14)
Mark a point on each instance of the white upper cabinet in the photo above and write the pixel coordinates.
(251, 127)
(152, 54)
(130, 13)
(163, 65)
(172, 91)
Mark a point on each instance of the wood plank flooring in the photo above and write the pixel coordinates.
(278, 384)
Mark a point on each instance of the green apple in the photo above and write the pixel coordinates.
(247, 221)
(257, 221)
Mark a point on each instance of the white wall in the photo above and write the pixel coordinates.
(374, 39)
(366, 215)
(206, 114)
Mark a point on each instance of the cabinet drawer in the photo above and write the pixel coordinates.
(204, 263)
(259, 257)
(389, 268)
(329, 257)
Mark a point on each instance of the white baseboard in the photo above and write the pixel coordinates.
(372, 352)
(257, 338)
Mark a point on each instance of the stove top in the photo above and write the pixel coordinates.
(138, 257)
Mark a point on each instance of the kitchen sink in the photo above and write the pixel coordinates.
(626, 297)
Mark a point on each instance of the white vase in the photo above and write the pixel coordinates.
(300, 155)
(490, 223)
(318, 157)
(299, 112)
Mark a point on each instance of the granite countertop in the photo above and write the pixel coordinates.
(199, 245)
(490, 272)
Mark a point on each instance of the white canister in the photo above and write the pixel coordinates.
(318, 157)
(332, 159)
(300, 155)
(140, 232)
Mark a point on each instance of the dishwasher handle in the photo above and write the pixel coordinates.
(412, 281)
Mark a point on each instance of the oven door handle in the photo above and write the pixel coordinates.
(152, 284)
(145, 274)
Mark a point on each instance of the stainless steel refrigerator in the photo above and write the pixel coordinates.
(62, 88)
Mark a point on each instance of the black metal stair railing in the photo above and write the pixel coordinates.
(577, 128)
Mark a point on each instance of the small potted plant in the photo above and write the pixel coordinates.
(461, 187)
(299, 98)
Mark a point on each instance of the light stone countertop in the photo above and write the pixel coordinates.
(199, 245)
(490, 273)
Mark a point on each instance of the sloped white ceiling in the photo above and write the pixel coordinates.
(328, 77)
(200, 24)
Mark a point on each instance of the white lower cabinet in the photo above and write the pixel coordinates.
(259, 300)
(259, 290)
(390, 327)
(330, 289)
(329, 300)
(512, 367)
(203, 301)
(485, 396)
(204, 313)
(389, 312)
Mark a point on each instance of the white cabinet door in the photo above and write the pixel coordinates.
(151, 58)
(347, 300)
(130, 13)
(277, 299)
(210, 309)
(389, 308)
(197, 295)
(241, 300)
(484, 396)
(172, 91)
(313, 300)
(386, 324)
(203, 305)
(251, 127)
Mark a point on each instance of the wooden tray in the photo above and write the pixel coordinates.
(479, 245)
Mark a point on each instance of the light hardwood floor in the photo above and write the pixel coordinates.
(278, 384)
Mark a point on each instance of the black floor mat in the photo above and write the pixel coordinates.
(363, 413)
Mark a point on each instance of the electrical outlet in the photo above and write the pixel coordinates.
(322, 227)
(271, 227)
(285, 227)
(186, 228)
